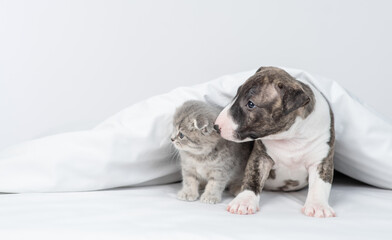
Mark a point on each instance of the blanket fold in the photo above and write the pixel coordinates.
(132, 148)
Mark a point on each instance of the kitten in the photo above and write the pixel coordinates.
(206, 158)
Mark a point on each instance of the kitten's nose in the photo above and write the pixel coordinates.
(216, 127)
(172, 139)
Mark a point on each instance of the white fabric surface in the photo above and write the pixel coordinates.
(133, 147)
(363, 212)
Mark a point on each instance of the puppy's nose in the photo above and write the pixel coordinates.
(216, 127)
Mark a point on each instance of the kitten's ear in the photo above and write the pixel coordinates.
(201, 123)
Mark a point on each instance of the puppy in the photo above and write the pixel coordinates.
(292, 125)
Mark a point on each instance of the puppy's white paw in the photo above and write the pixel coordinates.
(318, 210)
(210, 198)
(186, 195)
(247, 202)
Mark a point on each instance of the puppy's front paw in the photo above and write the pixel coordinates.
(318, 210)
(186, 195)
(210, 198)
(245, 203)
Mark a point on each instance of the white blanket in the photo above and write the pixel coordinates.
(133, 147)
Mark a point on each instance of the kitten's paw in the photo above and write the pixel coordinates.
(210, 198)
(185, 195)
(247, 202)
(318, 210)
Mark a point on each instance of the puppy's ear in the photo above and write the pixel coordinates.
(294, 99)
(201, 123)
(260, 68)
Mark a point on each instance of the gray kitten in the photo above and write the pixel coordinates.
(206, 158)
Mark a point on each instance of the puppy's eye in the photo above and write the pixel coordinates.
(280, 85)
(253, 136)
(250, 104)
(181, 135)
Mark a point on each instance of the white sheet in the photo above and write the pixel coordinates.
(363, 212)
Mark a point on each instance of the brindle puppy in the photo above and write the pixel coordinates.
(292, 125)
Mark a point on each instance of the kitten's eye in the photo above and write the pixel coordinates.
(250, 104)
(181, 135)
(280, 85)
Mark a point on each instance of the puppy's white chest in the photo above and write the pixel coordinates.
(290, 169)
(286, 152)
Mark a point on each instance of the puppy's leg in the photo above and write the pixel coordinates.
(190, 186)
(256, 173)
(320, 179)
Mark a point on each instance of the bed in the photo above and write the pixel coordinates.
(363, 212)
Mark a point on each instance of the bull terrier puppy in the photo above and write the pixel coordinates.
(292, 125)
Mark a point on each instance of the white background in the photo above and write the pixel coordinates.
(67, 65)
